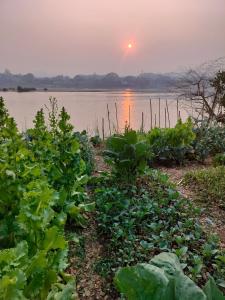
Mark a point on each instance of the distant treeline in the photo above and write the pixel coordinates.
(108, 81)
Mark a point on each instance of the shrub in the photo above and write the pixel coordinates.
(210, 140)
(172, 144)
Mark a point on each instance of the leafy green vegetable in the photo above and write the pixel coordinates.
(172, 144)
(127, 155)
(162, 279)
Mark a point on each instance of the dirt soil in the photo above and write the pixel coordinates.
(90, 285)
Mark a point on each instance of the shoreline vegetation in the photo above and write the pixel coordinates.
(33, 89)
(92, 82)
(136, 213)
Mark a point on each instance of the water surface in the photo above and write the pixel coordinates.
(87, 109)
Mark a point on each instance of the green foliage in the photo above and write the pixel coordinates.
(219, 84)
(3, 113)
(210, 140)
(172, 144)
(86, 151)
(219, 159)
(58, 150)
(140, 221)
(42, 179)
(209, 184)
(163, 279)
(96, 140)
(127, 155)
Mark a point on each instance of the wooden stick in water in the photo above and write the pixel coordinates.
(117, 123)
(110, 132)
(129, 117)
(168, 114)
(165, 118)
(103, 129)
(142, 122)
(150, 103)
(159, 112)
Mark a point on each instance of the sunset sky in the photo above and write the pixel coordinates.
(49, 37)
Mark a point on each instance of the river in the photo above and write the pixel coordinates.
(88, 108)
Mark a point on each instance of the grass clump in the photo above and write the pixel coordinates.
(209, 184)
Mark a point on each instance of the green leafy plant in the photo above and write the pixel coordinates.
(219, 159)
(86, 150)
(42, 179)
(141, 220)
(210, 140)
(163, 279)
(96, 140)
(172, 144)
(127, 155)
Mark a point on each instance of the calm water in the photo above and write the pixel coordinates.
(88, 108)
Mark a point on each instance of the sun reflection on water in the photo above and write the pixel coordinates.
(127, 105)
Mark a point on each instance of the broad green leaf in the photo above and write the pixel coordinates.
(142, 282)
(89, 207)
(168, 262)
(212, 291)
(53, 239)
(186, 289)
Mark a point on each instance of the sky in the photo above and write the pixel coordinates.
(50, 37)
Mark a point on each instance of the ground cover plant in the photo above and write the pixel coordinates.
(136, 222)
(42, 176)
(209, 184)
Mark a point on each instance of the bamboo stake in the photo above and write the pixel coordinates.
(159, 112)
(142, 122)
(165, 118)
(103, 129)
(110, 132)
(150, 103)
(155, 120)
(117, 123)
(168, 114)
(177, 110)
(129, 116)
(179, 115)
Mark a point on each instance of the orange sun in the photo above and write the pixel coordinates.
(129, 46)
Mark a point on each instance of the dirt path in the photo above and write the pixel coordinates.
(90, 285)
(212, 217)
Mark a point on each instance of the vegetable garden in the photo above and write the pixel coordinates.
(153, 243)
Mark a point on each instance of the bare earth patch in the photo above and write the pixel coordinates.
(90, 285)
